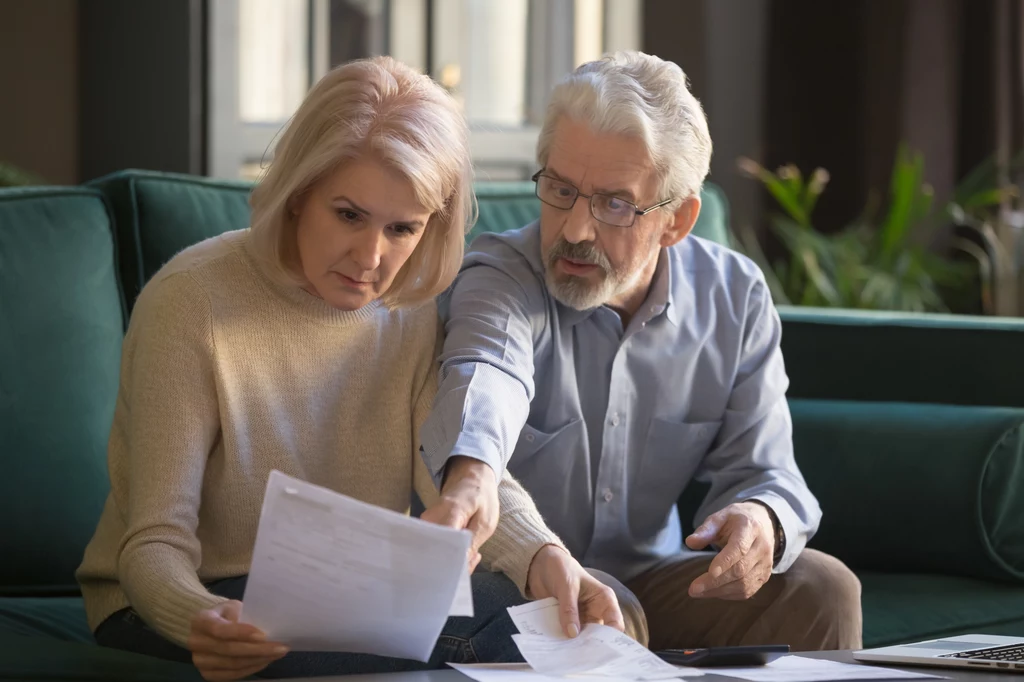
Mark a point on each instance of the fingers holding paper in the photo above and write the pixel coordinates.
(582, 598)
(469, 499)
(225, 649)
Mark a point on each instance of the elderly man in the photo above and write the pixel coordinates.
(608, 359)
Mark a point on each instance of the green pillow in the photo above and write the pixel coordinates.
(61, 326)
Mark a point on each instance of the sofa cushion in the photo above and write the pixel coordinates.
(43, 658)
(60, 618)
(61, 326)
(159, 214)
(901, 608)
(916, 487)
(911, 487)
(509, 205)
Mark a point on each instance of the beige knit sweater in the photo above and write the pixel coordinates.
(225, 376)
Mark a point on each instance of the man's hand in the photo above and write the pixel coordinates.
(224, 649)
(746, 535)
(554, 573)
(469, 499)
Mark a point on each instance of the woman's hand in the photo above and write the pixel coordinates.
(581, 596)
(224, 649)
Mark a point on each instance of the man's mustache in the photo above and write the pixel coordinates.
(582, 252)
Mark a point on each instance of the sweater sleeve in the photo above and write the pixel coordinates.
(521, 531)
(170, 423)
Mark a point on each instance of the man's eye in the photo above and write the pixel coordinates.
(616, 205)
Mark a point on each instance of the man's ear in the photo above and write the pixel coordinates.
(683, 220)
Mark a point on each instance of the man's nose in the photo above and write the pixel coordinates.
(580, 224)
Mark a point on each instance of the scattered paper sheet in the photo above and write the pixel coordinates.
(521, 672)
(800, 669)
(330, 573)
(538, 618)
(599, 650)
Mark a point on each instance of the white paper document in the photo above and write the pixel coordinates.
(538, 618)
(462, 605)
(598, 650)
(330, 573)
(799, 669)
(521, 672)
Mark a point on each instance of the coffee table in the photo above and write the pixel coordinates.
(840, 656)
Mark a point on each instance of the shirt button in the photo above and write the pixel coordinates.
(608, 495)
(615, 419)
(529, 437)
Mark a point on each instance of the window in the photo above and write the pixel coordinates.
(499, 59)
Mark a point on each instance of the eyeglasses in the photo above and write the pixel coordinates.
(606, 208)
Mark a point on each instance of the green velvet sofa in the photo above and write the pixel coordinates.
(910, 428)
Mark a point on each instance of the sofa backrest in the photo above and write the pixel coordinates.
(61, 325)
(903, 357)
(159, 214)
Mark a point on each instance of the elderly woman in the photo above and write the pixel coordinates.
(306, 344)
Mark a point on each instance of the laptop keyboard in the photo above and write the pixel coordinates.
(1012, 654)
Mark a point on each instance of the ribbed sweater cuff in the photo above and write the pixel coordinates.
(518, 538)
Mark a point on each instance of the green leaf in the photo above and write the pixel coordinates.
(904, 189)
(12, 176)
(752, 249)
(788, 199)
(986, 198)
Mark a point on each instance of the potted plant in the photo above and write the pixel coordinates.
(878, 261)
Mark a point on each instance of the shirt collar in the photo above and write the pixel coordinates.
(663, 296)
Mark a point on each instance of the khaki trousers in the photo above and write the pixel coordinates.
(815, 605)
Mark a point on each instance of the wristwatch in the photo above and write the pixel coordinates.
(780, 535)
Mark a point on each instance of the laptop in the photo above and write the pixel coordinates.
(993, 652)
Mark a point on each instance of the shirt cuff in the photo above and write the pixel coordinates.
(795, 540)
(436, 454)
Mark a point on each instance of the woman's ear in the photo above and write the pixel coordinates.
(683, 220)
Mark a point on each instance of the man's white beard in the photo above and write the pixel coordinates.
(577, 292)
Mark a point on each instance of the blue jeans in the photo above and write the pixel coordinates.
(486, 638)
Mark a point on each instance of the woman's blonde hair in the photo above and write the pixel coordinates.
(373, 107)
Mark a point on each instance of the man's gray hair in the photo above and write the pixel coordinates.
(636, 94)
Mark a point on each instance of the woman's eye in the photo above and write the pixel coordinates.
(348, 216)
(403, 230)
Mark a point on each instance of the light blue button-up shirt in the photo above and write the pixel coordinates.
(606, 426)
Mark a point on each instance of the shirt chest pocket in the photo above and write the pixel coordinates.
(672, 454)
(548, 463)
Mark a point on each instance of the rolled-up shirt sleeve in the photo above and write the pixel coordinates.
(486, 374)
(752, 457)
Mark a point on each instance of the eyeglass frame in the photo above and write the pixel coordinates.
(590, 197)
